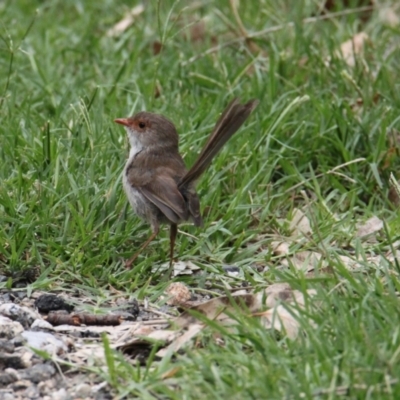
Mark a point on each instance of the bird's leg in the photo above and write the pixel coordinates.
(172, 236)
(128, 263)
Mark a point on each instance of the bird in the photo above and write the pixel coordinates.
(159, 187)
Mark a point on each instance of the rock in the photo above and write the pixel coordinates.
(8, 328)
(60, 395)
(5, 297)
(6, 346)
(15, 360)
(82, 391)
(231, 270)
(20, 385)
(24, 315)
(132, 307)
(32, 392)
(18, 341)
(38, 373)
(47, 386)
(7, 394)
(18, 295)
(12, 372)
(41, 324)
(44, 341)
(50, 302)
(7, 377)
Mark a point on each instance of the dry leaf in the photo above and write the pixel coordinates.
(197, 31)
(185, 268)
(157, 47)
(192, 331)
(304, 260)
(93, 352)
(170, 373)
(352, 48)
(282, 320)
(349, 263)
(126, 22)
(278, 317)
(393, 194)
(388, 16)
(300, 224)
(371, 226)
(215, 309)
(180, 268)
(280, 248)
(282, 292)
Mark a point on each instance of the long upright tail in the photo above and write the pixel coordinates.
(230, 121)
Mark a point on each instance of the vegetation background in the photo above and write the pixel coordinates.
(324, 138)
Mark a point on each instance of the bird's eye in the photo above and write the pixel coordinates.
(142, 125)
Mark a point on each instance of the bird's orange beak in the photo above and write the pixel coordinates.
(122, 121)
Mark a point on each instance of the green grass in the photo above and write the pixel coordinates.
(62, 209)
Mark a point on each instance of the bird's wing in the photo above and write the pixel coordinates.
(163, 192)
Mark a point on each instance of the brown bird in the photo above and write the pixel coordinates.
(159, 187)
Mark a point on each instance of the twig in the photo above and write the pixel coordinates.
(252, 46)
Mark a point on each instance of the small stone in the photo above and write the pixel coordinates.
(13, 372)
(17, 361)
(46, 386)
(231, 270)
(7, 394)
(20, 385)
(5, 297)
(24, 315)
(50, 302)
(8, 328)
(41, 324)
(18, 341)
(32, 392)
(44, 341)
(60, 395)
(7, 378)
(27, 356)
(19, 294)
(6, 346)
(39, 372)
(83, 391)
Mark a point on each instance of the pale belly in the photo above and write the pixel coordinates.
(135, 198)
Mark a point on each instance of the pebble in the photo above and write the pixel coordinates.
(50, 302)
(7, 394)
(7, 377)
(38, 372)
(16, 360)
(60, 395)
(24, 315)
(8, 328)
(82, 391)
(32, 392)
(6, 346)
(41, 324)
(20, 385)
(44, 341)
